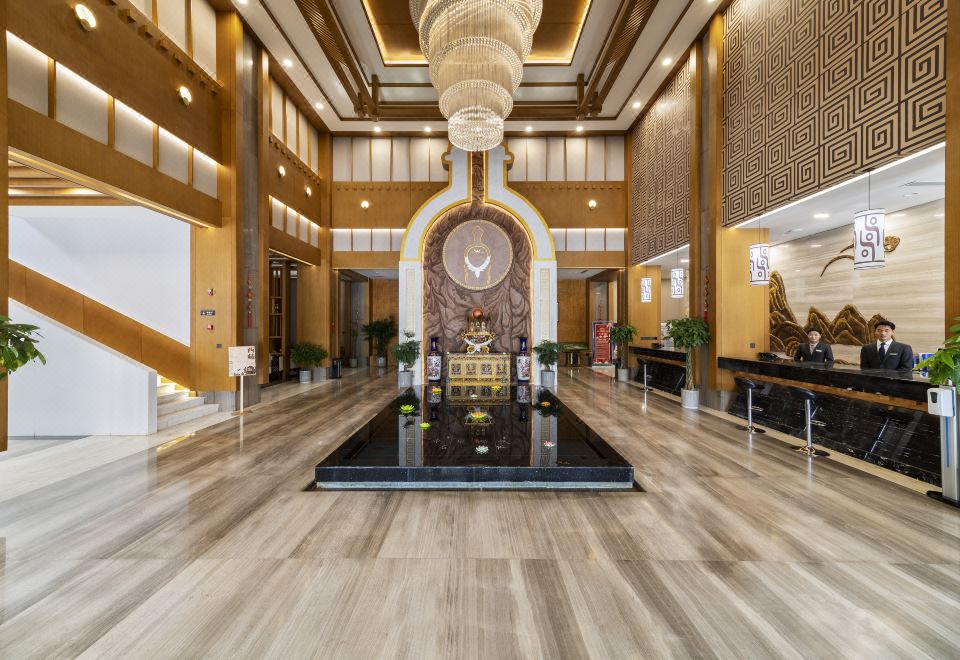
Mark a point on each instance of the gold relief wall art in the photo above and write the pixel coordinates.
(890, 243)
(477, 255)
(818, 91)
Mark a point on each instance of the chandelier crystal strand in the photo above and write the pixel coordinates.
(476, 50)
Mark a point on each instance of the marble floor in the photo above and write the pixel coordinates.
(206, 545)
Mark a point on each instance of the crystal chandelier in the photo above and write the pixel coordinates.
(476, 50)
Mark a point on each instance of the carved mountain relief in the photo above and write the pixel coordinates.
(848, 327)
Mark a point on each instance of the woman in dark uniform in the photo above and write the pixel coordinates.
(814, 350)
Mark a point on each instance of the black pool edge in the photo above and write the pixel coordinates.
(475, 477)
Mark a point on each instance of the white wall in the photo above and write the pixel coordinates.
(84, 389)
(131, 259)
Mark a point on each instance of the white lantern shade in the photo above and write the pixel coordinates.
(676, 282)
(868, 250)
(760, 264)
(646, 289)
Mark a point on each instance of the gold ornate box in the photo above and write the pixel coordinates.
(466, 368)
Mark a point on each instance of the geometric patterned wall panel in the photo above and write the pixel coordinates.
(661, 159)
(819, 91)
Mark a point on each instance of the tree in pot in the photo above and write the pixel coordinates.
(548, 352)
(381, 332)
(406, 353)
(622, 335)
(307, 356)
(944, 365)
(689, 334)
(320, 354)
(18, 346)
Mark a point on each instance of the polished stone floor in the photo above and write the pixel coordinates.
(207, 546)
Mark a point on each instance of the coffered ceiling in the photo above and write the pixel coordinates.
(592, 61)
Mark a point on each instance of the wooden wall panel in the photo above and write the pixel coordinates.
(384, 302)
(392, 205)
(5, 288)
(572, 318)
(952, 202)
(645, 317)
(291, 246)
(585, 259)
(818, 92)
(564, 204)
(122, 53)
(662, 169)
(291, 188)
(375, 260)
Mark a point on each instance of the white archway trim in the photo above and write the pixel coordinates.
(499, 194)
(457, 192)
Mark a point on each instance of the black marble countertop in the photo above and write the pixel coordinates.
(664, 353)
(903, 384)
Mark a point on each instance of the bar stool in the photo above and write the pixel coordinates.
(749, 386)
(808, 399)
(643, 369)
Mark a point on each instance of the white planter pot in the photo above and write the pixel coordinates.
(623, 375)
(405, 379)
(548, 379)
(690, 399)
(353, 363)
(319, 373)
(381, 361)
(305, 376)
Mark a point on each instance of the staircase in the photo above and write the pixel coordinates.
(176, 406)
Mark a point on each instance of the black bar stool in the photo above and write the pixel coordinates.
(749, 386)
(808, 399)
(643, 370)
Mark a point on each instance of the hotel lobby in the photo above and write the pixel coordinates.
(480, 329)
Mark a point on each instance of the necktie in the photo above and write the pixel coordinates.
(883, 351)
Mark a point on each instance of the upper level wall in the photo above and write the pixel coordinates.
(399, 159)
(595, 158)
(816, 93)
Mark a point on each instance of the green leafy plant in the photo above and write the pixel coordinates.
(18, 346)
(689, 334)
(548, 352)
(407, 352)
(547, 404)
(308, 355)
(381, 332)
(622, 335)
(944, 365)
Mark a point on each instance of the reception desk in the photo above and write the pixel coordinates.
(666, 367)
(874, 415)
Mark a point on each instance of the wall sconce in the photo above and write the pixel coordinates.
(282, 171)
(308, 191)
(364, 205)
(184, 93)
(592, 204)
(87, 20)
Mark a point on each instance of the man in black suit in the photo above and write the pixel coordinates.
(814, 351)
(885, 353)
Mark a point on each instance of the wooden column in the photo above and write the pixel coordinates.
(645, 317)
(739, 314)
(262, 68)
(951, 218)
(4, 218)
(216, 252)
(696, 146)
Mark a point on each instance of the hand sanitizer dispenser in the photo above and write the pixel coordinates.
(942, 402)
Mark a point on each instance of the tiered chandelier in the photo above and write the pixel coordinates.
(476, 50)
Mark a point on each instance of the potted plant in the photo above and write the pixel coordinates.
(622, 335)
(944, 365)
(319, 354)
(381, 332)
(548, 352)
(307, 356)
(689, 334)
(406, 353)
(18, 346)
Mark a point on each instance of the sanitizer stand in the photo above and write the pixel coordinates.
(942, 402)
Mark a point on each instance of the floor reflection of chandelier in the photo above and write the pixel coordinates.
(476, 50)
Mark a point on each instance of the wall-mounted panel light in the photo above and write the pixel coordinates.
(282, 171)
(87, 20)
(377, 129)
(308, 191)
(185, 95)
(592, 204)
(364, 205)
(579, 129)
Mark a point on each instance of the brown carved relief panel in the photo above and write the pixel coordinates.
(818, 91)
(506, 305)
(660, 206)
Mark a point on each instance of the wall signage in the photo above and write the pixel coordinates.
(760, 264)
(646, 289)
(242, 360)
(868, 250)
(601, 342)
(676, 282)
(208, 312)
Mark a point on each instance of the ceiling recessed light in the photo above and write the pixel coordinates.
(287, 63)
(816, 245)
(318, 105)
(821, 216)
(898, 215)
(667, 61)
(87, 20)
(637, 105)
(684, 261)
(797, 229)
(244, 2)
(937, 215)
(529, 129)
(377, 129)
(427, 129)
(579, 129)
(910, 194)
